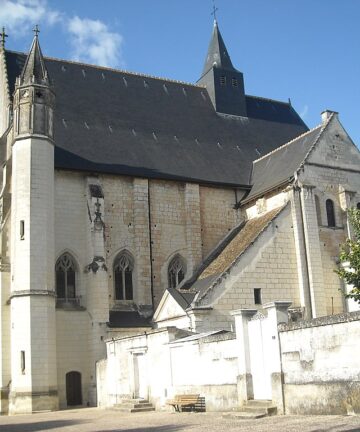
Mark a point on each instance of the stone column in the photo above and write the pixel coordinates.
(345, 197)
(313, 251)
(193, 226)
(97, 292)
(244, 380)
(301, 262)
(142, 242)
(277, 313)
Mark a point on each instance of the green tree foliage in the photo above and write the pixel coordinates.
(350, 253)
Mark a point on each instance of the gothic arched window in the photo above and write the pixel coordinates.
(176, 271)
(123, 271)
(65, 270)
(330, 212)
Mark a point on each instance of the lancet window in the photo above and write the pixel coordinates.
(65, 270)
(176, 271)
(123, 276)
(330, 212)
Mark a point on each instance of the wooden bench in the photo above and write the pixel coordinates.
(183, 400)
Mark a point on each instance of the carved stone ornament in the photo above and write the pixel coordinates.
(258, 316)
(97, 262)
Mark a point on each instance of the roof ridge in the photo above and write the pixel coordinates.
(325, 125)
(269, 99)
(139, 74)
(288, 143)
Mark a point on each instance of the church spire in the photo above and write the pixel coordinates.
(224, 83)
(217, 55)
(35, 70)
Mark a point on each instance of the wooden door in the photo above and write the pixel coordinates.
(73, 388)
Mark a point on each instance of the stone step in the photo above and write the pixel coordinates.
(241, 415)
(133, 410)
(260, 403)
(269, 410)
(134, 401)
(134, 405)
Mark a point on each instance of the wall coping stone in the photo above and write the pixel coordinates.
(321, 321)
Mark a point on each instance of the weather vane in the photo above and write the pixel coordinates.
(36, 30)
(214, 10)
(3, 36)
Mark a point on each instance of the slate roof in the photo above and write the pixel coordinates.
(116, 122)
(128, 319)
(183, 298)
(217, 55)
(279, 166)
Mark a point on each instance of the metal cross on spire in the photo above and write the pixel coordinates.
(3, 36)
(36, 30)
(215, 9)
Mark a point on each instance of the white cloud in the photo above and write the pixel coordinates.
(93, 42)
(18, 16)
(304, 112)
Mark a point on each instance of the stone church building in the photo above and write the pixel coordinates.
(131, 202)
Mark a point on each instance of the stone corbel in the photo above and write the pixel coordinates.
(97, 263)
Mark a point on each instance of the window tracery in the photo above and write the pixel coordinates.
(176, 271)
(65, 270)
(123, 272)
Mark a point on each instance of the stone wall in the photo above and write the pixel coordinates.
(268, 264)
(320, 360)
(207, 366)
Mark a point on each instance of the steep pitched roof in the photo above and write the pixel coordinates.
(118, 122)
(183, 298)
(278, 167)
(229, 252)
(217, 55)
(246, 236)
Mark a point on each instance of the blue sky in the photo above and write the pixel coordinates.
(307, 50)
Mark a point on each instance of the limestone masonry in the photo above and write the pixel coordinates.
(131, 204)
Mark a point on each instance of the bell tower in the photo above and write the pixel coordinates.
(33, 331)
(224, 83)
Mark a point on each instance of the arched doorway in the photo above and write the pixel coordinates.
(73, 388)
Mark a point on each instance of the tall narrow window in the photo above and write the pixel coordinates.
(257, 296)
(65, 277)
(223, 80)
(123, 272)
(176, 271)
(22, 361)
(22, 230)
(358, 205)
(330, 213)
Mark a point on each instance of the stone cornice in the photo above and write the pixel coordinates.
(25, 293)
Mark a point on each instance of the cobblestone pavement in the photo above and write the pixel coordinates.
(98, 420)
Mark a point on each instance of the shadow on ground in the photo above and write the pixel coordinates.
(39, 426)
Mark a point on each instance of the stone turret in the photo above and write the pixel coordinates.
(34, 97)
(33, 331)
